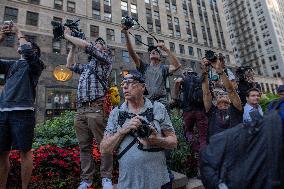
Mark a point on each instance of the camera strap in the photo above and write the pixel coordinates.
(126, 148)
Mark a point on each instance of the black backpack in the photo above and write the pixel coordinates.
(192, 89)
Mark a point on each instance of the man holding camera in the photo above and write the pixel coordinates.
(17, 113)
(228, 110)
(91, 118)
(155, 73)
(142, 162)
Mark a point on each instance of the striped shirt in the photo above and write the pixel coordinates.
(89, 87)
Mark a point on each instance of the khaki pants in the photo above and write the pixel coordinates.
(90, 123)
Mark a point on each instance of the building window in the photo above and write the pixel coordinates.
(155, 2)
(178, 34)
(147, 1)
(138, 40)
(158, 29)
(156, 15)
(11, 14)
(133, 9)
(110, 34)
(150, 41)
(199, 53)
(150, 27)
(124, 6)
(71, 6)
(123, 39)
(107, 2)
(125, 57)
(94, 31)
(148, 13)
(172, 47)
(181, 49)
(190, 51)
(174, 8)
(168, 7)
(32, 18)
(58, 4)
(108, 16)
(96, 14)
(57, 19)
(56, 46)
(36, 2)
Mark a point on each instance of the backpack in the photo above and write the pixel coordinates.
(192, 90)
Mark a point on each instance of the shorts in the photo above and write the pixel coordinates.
(17, 130)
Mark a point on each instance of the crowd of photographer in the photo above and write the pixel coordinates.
(222, 107)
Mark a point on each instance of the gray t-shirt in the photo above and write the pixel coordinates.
(141, 169)
(155, 79)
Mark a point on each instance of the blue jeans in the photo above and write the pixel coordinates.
(17, 130)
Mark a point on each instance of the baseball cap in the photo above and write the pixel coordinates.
(280, 89)
(137, 76)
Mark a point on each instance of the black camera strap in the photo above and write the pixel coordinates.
(127, 148)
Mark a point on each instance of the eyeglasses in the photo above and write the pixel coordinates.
(128, 82)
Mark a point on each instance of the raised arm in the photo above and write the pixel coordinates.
(207, 97)
(175, 64)
(130, 49)
(76, 41)
(71, 57)
(232, 93)
(177, 85)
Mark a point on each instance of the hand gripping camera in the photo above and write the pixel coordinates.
(143, 130)
(212, 56)
(58, 29)
(129, 22)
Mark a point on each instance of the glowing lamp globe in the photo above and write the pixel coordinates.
(61, 73)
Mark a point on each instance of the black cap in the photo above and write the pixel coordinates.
(100, 40)
(137, 76)
(151, 48)
(280, 89)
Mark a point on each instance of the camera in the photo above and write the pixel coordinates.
(58, 29)
(212, 56)
(241, 72)
(143, 131)
(128, 22)
(8, 25)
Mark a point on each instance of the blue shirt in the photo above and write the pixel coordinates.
(247, 109)
(89, 87)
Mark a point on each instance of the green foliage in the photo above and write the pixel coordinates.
(58, 131)
(266, 99)
(182, 159)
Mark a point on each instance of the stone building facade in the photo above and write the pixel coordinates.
(187, 27)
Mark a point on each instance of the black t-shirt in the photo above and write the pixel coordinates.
(220, 120)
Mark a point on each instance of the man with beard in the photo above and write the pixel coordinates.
(227, 112)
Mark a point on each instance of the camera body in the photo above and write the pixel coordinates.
(241, 72)
(128, 22)
(211, 56)
(58, 29)
(143, 131)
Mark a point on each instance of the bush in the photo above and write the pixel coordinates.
(266, 99)
(58, 131)
(54, 168)
(182, 158)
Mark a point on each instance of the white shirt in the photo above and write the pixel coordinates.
(247, 109)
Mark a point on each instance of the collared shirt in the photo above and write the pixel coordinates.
(247, 109)
(89, 87)
(141, 169)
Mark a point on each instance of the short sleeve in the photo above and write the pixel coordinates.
(162, 116)
(112, 124)
(142, 68)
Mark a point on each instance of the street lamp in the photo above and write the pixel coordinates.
(61, 73)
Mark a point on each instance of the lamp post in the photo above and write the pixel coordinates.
(61, 73)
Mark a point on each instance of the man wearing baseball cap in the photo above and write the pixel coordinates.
(142, 161)
(91, 117)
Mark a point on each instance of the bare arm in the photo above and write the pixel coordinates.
(168, 141)
(175, 64)
(71, 57)
(207, 97)
(176, 87)
(130, 49)
(76, 41)
(232, 93)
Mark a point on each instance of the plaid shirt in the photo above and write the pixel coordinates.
(89, 87)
